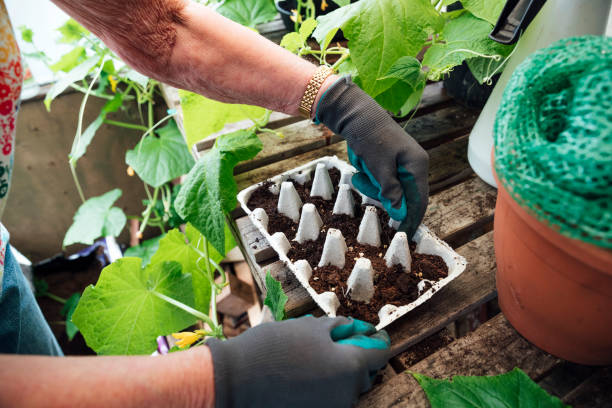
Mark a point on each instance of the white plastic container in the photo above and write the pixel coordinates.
(427, 243)
(556, 20)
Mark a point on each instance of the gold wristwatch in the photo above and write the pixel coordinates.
(312, 89)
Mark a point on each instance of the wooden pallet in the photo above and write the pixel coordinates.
(460, 211)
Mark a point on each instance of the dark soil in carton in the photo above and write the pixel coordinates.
(392, 285)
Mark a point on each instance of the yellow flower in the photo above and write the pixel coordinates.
(113, 83)
(130, 171)
(323, 5)
(186, 338)
(294, 16)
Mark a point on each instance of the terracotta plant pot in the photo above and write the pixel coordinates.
(555, 291)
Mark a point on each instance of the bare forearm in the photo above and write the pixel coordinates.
(177, 380)
(191, 47)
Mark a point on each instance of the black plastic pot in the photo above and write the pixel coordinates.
(465, 89)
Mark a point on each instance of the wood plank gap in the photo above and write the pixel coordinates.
(494, 348)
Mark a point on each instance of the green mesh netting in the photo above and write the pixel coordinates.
(553, 137)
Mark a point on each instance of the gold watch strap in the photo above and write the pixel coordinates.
(312, 89)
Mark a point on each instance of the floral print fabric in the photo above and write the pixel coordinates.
(11, 77)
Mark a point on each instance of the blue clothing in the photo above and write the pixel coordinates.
(23, 329)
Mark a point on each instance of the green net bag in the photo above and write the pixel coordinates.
(553, 137)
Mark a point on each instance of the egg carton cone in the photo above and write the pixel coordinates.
(260, 215)
(399, 252)
(334, 249)
(427, 243)
(345, 203)
(321, 184)
(346, 177)
(289, 201)
(369, 228)
(310, 224)
(360, 284)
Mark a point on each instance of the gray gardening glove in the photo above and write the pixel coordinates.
(392, 166)
(305, 362)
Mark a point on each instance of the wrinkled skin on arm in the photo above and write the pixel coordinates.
(189, 46)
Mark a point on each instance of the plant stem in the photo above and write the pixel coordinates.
(147, 212)
(341, 60)
(211, 276)
(186, 308)
(84, 90)
(76, 181)
(150, 114)
(125, 125)
(56, 298)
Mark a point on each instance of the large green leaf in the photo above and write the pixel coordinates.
(203, 116)
(123, 315)
(209, 191)
(80, 144)
(72, 32)
(379, 33)
(488, 10)
(248, 12)
(75, 74)
(405, 94)
(158, 160)
(275, 297)
(96, 217)
(463, 37)
(188, 250)
(513, 389)
(407, 69)
(145, 250)
(69, 60)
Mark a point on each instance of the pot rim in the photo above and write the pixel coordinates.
(592, 255)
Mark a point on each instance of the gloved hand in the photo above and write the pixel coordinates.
(305, 362)
(392, 166)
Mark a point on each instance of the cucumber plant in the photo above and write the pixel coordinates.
(396, 46)
(167, 283)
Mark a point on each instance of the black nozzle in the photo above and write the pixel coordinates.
(514, 19)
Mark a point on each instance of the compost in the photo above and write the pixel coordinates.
(391, 285)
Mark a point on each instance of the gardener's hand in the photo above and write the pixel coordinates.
(392, 166)
(305, 362)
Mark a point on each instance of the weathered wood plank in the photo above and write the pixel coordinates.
(298, 138)
(421, 350)
(441, 125)
(299, 301)
(254, 242)
(448, 164)
(594, 392)
(565, 377)
(434, 96)
(263, 173)
(475, 286)
(460, 206)
(494, 348)
(302, 136)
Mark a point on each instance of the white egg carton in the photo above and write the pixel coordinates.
(360, 281)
